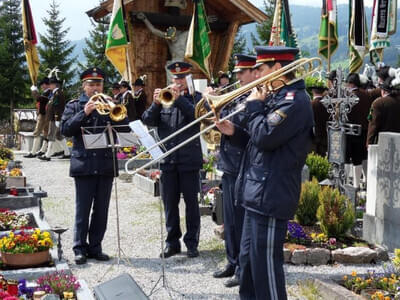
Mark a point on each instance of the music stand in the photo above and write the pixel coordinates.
(110, 138)
(149, 138)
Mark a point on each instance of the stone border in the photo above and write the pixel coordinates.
(333, 291)
(349, 255)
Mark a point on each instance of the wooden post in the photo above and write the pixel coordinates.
(131, 50)
(329, 45)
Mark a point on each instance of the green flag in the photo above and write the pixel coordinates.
(198, 48)
(328, 29)
(117, 40)
(358, 35)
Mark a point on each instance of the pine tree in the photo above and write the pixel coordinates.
(239, 46)
(264, 29)
(14, 74)
(55, 50)
(95, 51)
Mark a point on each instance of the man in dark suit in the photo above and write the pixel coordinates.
(180, 170)
(230, 156)
(92, 169)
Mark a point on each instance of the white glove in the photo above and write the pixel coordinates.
(57, 124)
(34, 88)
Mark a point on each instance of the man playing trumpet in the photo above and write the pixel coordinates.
(268, 186)
(180, 170)
(92, 169)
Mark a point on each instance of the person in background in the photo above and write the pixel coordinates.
(140, 97)
(116, 95)
(127, 100)
(41, 124)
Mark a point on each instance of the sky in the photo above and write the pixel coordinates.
(79, 23)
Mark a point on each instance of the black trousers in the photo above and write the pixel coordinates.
(92, 193)
(233, 221)
(261, 258)
(173, 183)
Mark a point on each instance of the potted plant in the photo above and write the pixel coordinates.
(59, 283)
(16, 178)
(26, 248)
(9, 220)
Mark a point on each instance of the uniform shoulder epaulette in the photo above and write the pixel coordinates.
(290, 95)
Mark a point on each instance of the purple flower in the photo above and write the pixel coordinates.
(332, 241)
(296, 231)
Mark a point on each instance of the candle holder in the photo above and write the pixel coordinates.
(40, 194)
(12, 287)
(59, 231)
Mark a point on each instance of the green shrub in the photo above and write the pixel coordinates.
(335, 213)
(306, 213)
(319, 166)
(5, 153)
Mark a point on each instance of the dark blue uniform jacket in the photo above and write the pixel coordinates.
(168, 120)
(280, 133)
(86, 161)
(230, 154)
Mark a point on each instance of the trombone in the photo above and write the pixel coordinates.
(216, 103)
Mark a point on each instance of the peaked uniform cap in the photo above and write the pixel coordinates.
(275, 53)
(179, 69)
(93, 75)
(243, 62)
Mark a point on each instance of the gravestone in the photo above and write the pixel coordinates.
(382, 217)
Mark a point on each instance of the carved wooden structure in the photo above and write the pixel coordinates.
(149, 53)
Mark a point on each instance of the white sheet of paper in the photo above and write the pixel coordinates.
(145, 138)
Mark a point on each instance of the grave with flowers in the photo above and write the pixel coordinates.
(321, 232)
(126, 153)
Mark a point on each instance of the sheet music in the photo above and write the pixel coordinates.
(145, 138)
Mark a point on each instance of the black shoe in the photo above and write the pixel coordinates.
(192, 252)
(44, 158)
(40, 153)
(80, 259)
(57, 154)
(99, 256)
(228, 271)
(234, 281)
(65, 156)
(169, 251)
(30, 155)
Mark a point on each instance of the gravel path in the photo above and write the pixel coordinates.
(140, 242)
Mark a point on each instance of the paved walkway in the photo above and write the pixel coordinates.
(140, 241)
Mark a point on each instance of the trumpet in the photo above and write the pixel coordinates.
(104, 106)
(304, 66)
(166, 96)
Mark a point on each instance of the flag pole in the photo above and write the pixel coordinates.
(329, 45)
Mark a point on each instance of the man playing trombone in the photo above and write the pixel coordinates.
(180, 170)
(268, 186)
(229, 163)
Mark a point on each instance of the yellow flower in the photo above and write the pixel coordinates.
(35, 237)
(385, 279)
(354, 273)
(387, 298)
(46, 234)
(368, 281)
(313, 235)
(37, 231)
(358, 279)
(344, 277)
(40, 243)
(11, 235)
(393, 276)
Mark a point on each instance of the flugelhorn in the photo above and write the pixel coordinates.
(166, 96)
(104, 106)
(305, 66)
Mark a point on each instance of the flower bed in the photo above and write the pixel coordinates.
(10, 220)
(382, 286)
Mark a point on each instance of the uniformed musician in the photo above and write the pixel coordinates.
(41, 124)
(180, 170)
(127, 100)
(116, 94)
(229, 163)
(385, 111)
(268, 185)
(92, 169)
